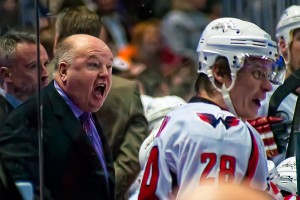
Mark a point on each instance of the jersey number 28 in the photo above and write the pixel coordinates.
(226, 168)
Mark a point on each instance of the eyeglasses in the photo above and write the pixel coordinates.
(260, 74)
(260, 69)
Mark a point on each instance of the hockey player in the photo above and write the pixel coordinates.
(282, 100)
(287, 34)
(207, 141)
(156, 109)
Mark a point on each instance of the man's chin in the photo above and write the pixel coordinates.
(95, 107)
(44, 84)
(24, 93)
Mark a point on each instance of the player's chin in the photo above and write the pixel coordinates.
(252, 112)
(248, 112)
(255, 105)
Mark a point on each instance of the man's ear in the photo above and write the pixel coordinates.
(220, 76)
(63, 70)
(5, 74)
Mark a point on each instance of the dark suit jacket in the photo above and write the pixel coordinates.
(8, 189)
(72, 169)
(5, 108)
(125, 126)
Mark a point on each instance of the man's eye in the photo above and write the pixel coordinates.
(33, 66)
(94, 65)
(257, 74)
(46, 63)
(109, 66)
(261, 74)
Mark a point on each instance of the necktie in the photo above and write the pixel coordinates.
(94, 138)
(85, 121)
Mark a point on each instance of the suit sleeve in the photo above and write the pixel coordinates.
(126, 163)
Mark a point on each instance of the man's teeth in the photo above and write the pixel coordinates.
(100, 88)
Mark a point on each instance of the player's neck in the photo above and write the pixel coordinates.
(216, 98)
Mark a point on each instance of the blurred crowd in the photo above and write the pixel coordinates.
(153, 41)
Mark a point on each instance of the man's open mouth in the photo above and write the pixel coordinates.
(257, 101)
(100, 89)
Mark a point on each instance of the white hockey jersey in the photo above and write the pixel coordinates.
(200, 144)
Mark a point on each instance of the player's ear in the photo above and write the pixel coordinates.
(221, 74)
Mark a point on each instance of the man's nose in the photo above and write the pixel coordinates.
(267, 86)
(105, 71)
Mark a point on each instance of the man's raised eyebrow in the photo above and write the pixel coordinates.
(92, 56)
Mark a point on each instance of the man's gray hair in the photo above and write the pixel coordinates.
(8, 45)
(64, 52)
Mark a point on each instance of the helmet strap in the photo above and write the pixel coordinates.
(225, 92)
(226, 96)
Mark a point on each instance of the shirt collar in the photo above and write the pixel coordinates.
(196, 99)
(77, 111)
(11, 99)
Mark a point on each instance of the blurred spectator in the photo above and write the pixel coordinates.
(57, 6)
(142, 10)
(115, 30)
(159, 71)
(153, 84)
(182, 27)
(47, 35)
(181, 81)
(28, 14)
(147, 56)
(10, 16)
(75, 20)
(160, 8)
(213, 9)
(148, 48)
